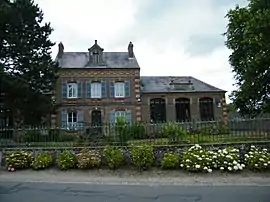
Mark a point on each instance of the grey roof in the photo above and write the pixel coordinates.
(161, 84)
(111, 59)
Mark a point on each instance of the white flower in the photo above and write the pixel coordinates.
(229, 168)
(181, 165)
(214, 157)
(265, 150)
(197, 166)
(240, 167)
(252, 146)
(219, 151)
(187, 160)
(235, 167)
(246, 155)
(215, 165)
(225, 162)
(200, 158)
(209, 170)
(268, 162)
(234, 162)
(265, 164)
(205, 168)
(221, 168)
(256, 165)
(188, 166)
(243, 165)
(225, 152)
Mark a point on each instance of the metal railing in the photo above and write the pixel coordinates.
(86, 134)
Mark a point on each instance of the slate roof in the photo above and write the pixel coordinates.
(161, 84)
(111, 59)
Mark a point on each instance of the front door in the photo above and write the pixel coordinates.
(96, 122)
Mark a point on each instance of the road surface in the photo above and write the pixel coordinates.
(66, 192)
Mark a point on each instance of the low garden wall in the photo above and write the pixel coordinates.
(176, 154)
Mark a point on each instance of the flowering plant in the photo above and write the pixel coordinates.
(142, 156)
(114, 157)
(42, 161)
(197, 159)
(228, 159)
(170, 161)
(66, 160)
(18, 160)
(88, 159)
(257, 159)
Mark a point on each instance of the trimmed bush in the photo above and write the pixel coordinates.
(66, 160)
(19, 160)
(257, 160)
(174, 133)
(142, 156)
(42, 161)
(170, 161)
(114, 157)
(228, 160)
(88, 159)
(197, 159)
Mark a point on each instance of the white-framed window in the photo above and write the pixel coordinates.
(119, 89)
(96, 90)
(119, 114)
(72, 119)
(72, 90)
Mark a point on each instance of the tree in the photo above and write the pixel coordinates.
(248, 36)
(29, 73)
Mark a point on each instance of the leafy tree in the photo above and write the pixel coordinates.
(28, 73)
(248, 36)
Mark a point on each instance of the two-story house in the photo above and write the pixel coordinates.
(96, 87)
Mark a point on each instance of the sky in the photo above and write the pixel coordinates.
(171, 38)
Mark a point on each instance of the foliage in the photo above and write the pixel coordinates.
(66, 160)
(170, 161)
(228, 160)
(197, 159)
(142, 156)
(18, 160)
(174, 133)
(88, 159)
(28, 73)
(122, 129)
(248, 37)
(257, 160)
(137, 131)
(42, 161)
(114, 157)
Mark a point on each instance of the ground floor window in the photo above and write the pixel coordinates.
(182, 108)
(72, 119)
(206, 109)
(158, 110)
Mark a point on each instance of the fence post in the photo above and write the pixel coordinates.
(1, 158)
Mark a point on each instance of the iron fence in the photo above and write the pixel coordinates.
(86, 134)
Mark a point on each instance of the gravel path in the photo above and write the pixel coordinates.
(132, 177)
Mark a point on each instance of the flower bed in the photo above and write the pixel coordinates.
(193, 159)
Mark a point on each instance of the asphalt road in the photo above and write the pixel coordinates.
(44, 192)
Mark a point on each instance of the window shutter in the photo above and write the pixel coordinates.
(64, 118)
(112, 117)
(79, 90)
(64, 90)
(127, 89)
(88, 90)
(80, 118)
(129, 116)
(103, 89)
(111, 89)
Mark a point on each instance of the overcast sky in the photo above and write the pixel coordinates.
(171, 38)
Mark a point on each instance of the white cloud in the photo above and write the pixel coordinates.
(160, 42)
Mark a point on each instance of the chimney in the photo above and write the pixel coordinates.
(130, 50)
(60, 50)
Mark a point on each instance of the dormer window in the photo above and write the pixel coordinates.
(182, 86)
(95, 55)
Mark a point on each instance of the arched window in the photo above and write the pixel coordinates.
(158, 110)
(206, 109)
(182, 109)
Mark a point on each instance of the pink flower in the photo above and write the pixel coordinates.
(12, 169)
(9, 168)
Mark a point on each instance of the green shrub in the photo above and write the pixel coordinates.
(114, 157)
(42, 161)
(122, 129)
(257, 160)
(19, 160)
(142, 156)
(174, 133)
(137, 131)
(66, 160)
(170, 161)
(31, 136)
(197, 159)
(88, 159)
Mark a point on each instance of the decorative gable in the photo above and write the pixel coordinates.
(95, 55)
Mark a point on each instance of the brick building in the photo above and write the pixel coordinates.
(97, 87)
